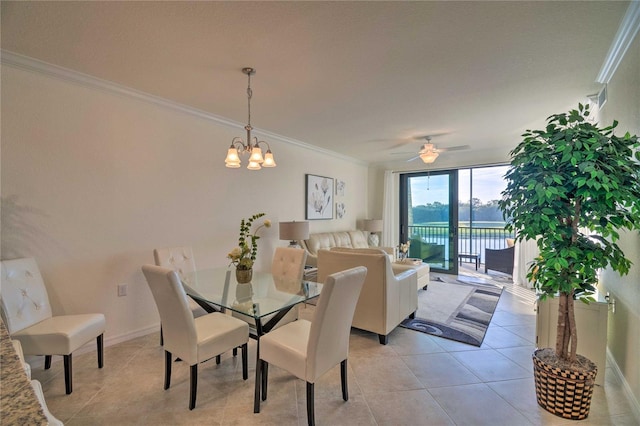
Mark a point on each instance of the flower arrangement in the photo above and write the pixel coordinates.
(403, 250)
(244, 255)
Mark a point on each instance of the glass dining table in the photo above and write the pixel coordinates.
(263, 302)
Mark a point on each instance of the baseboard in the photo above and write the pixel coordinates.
(633, 402)
(38, 361)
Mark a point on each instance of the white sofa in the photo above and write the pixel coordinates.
(328, 240)
(386, 299)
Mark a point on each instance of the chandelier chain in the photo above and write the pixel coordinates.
(249, 96)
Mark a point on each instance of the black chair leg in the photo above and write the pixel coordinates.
(311, 418)
(167, 369)
(343, 379)
(68, 381)
(258, 383)
(47, 362)
(194, 386)
(265, 379)
(245, 362)
(218, 359)
(161, 336)
(100, 344)
(384, 339)
(235, 351)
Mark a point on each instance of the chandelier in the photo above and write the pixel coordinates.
(252, 147)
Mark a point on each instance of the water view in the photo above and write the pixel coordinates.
(432, 222)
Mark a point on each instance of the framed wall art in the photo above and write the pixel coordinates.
(340, 187)
(319, 197)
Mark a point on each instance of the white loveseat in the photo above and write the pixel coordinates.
(386, 299)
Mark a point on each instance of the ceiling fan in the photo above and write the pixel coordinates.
(429, 152)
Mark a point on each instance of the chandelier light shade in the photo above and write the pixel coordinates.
(294, 231)
(252, 146)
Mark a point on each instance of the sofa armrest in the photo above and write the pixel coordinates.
(391, 251)
(404, 275)
(402, 297)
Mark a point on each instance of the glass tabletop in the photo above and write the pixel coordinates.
(264, 295)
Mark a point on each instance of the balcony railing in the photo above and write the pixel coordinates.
(471, 240)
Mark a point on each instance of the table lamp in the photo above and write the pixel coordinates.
(373, 226)
(294, 231)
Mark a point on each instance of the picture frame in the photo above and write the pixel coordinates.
(319, 197)
(340, 187)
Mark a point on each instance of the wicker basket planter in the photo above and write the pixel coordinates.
(564, 392)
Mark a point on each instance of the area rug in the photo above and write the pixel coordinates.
(455, 310)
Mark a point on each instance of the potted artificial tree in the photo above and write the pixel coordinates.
(571, 187)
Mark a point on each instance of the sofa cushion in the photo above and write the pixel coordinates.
(358, 240)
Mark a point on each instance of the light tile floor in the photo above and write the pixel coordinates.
(416, 379)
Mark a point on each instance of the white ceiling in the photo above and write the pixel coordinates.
(363, 79)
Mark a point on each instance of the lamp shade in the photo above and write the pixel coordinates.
(372, 225)
(294, 230)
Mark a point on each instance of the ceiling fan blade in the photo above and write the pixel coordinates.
(454, 148)
(399, 145)
(429, 136)
(413, 158)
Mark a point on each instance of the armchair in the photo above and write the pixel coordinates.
(499, 260)
(428, 252)
(386, 299)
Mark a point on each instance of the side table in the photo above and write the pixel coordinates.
(422, 270)
(471, 256)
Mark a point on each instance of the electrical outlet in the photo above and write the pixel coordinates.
(122, 289)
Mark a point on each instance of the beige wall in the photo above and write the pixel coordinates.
(624, 325)
(93, 180)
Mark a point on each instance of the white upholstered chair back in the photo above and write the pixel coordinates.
(25, 301)
(288, 263)
(180, 259)
(177, 320)
(328, 343)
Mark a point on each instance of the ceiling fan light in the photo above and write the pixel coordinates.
(429, 157)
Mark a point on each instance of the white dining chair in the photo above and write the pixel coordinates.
(181, 260)
(29, 319)
(287, 269)
(193, 340)
(310, 349)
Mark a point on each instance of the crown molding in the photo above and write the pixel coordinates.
(627, 30)
(27, 63)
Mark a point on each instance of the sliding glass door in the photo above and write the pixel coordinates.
(429, 216)
(480, 221)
